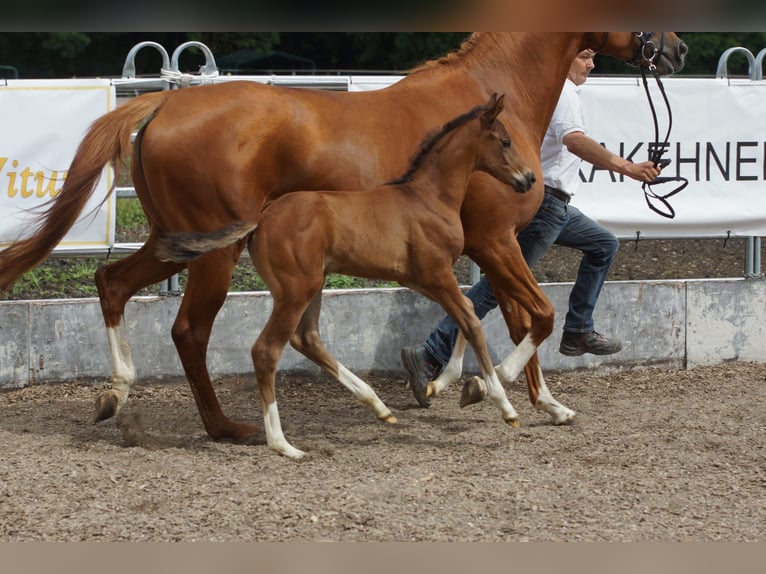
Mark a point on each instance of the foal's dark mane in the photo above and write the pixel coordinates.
(431, 139)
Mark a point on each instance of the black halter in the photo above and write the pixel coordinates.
(646, 55)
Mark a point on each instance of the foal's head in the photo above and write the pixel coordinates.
(494, 152)
(497, 156)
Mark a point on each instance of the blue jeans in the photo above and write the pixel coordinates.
(562, 224)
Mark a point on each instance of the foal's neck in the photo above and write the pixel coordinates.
(450, 164)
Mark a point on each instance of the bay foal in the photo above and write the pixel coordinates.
(407, 231)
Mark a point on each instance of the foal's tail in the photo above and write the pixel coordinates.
(107, 141)
(183, 247)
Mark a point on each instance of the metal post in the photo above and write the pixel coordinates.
(475, 273)
(754, 69)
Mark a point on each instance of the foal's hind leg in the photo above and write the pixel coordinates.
(266, 352)
(117, 283)
(307, 341)
(206, 290)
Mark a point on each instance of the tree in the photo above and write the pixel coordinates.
(67, 54)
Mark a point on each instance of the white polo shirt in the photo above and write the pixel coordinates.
(560, 167)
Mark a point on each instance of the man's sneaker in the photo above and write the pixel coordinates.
(576, 344)
(422, 368)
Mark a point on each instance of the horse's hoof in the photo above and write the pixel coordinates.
(430, 391)
(290, 452)
(569, 419)
(238, 433)
(248, 434)
(391, 419)
(512, 423)
(107, 405)
(474, 391)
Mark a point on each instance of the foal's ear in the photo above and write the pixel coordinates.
(495, 105)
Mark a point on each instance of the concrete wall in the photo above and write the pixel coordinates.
(674, 324)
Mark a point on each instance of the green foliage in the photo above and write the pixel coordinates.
(57, 278)
(346, 282)
(130, 215)
(88, 54)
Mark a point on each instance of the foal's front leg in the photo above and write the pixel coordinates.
(453, 371)
(459, 307)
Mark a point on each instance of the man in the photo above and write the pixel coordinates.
(565, 146)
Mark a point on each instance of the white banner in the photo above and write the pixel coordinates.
(717, 142)
(43, 123)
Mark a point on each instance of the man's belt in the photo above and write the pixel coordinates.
(562, 195)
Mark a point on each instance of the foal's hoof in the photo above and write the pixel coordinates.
(107, 405)
(512, 423)
(474, 391)
(391, 419)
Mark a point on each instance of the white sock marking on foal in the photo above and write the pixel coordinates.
(275, 438)
(363, 392)
(509, 370)
(496, 392)
(454, 369)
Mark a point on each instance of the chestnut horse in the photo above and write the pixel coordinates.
(211, 155)
(407, 231)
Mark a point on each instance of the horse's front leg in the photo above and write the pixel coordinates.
(528, 315)
(117, 283)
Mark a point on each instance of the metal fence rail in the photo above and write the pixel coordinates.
(172, 78)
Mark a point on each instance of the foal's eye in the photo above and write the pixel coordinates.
(506, 143)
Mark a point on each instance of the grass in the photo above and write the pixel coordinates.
(63, 277)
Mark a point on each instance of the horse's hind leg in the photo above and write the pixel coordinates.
(117, 283)
(307, 341)
(206, 290)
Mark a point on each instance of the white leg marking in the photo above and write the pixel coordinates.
(454, 369)
(123, 368)
(275, 438)
(497, 394)
(508, 371)
(364, 393)
(545, 402)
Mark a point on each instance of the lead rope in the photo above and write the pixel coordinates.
(655, 154)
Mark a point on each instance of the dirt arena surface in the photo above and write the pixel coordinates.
(655, 456)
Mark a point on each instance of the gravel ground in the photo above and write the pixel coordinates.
(654, 456)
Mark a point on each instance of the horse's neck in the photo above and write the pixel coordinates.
(529, 67)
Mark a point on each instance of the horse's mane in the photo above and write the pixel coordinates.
(457, 54)
(432, 138)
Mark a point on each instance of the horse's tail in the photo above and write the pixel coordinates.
(184, 247)
(107, 140)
